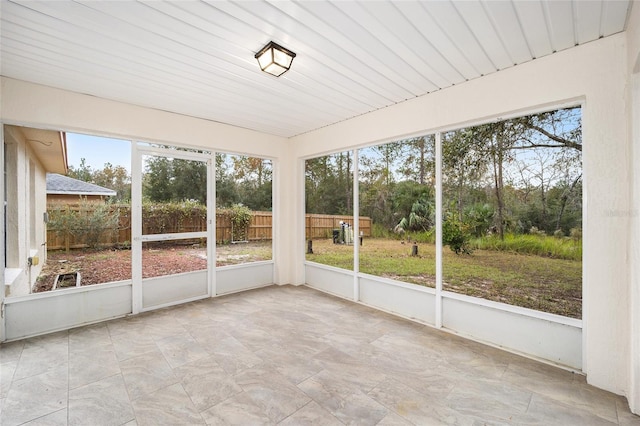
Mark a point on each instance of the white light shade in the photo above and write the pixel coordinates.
(275, 59)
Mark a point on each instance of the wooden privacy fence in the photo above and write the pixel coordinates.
(260, 228)
(322, 225)
(120, 235)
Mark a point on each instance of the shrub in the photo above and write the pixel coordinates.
(240, 218)
(98, 220)
(160, 218)
(420, 219)
(89, 223)
(456, 234)
(479, 218)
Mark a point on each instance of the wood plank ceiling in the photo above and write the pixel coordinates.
(197, 57)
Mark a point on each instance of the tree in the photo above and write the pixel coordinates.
(327, 185)
(157, 179)
(498, 150)
(251, 169)
(174, 179)
(421, 218)
(560, 129)
(418, 160)
(116, 178)
(243, 179)
(189, 180)
(112, 177)
(83, 172)
(464, 167)
(522, 157)
(226, 188)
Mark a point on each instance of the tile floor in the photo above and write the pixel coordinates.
(288, 356)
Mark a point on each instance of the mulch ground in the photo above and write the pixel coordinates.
(103, 266)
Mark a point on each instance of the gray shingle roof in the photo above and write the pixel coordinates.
(59, 184)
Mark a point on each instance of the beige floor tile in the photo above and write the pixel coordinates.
(88, 338)
(57, 418)
(546, 411)
(239, 409)
(355, 409)
(180, 349)
(89, 366)
(104, 402)
(311, 414)
(10, 352)
(392, 419)
(166, 406)
(272, 392)
(131, 344)
(233, 356)
(42, 354)
(285, 354)
(206, 382)
(625, 418)
(7, 370)
(146, 373)
(416, 407)
(35, 396)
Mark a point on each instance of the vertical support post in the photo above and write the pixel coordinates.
(2, 232)
(356, 228)
(298, 273)
(634, 391)
(211, 224)
(136, 228)
(438, 307)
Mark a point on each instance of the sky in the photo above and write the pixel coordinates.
(97, 151)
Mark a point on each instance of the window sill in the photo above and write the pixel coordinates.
(11, 275)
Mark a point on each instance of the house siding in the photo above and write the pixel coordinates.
(25, 227)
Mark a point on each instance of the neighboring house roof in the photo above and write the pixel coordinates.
(59, 185)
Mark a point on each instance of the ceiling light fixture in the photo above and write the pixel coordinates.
(275, 59)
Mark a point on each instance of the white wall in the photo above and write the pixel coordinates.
(2, 219)
(594, 74)
(26, 200)
(633, 69)
(45, 107)
(15, 174)
(38, 209)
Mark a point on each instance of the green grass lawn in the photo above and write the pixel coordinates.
(536, 282)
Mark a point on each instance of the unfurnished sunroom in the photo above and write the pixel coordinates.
(405, 145)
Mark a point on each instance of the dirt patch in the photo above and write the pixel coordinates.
(102, 266)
